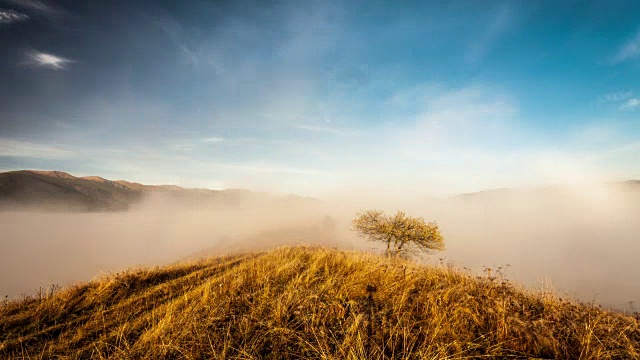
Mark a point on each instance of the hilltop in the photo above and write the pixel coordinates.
(57, 190)
(305, 302)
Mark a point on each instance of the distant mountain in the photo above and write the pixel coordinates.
(57, 190)
(632, 186)
(632, 183)
(116, 184)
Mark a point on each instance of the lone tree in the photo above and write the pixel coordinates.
(404, 235)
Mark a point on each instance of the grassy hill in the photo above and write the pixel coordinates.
(300, 302)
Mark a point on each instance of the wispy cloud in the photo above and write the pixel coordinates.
(630, 104)
(190, 145)
(213, 139)
(183, 147)
(8, 17)
(616, 96)
(494, 31)
(24, 149)
(630, 50)
(259, 168)
(38, 6)
(465, 114)
(176, 34)
(623, 99)
(325, 129)
(46, 60)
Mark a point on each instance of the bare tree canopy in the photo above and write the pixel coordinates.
(402, 234)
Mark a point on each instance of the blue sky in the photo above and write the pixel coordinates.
(318, 98)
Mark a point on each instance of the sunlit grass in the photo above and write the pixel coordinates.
(302, 302)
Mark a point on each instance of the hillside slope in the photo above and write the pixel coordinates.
(309, 303)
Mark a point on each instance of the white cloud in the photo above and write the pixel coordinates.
(45, 60)
(259, 168)
(630, 104)
(624, 100)
(183, 147)
(38, 6)
(460, 139)
(23, 149)
(214, 139)
(616, 96)
(9, 17)
(465, 114)
(324, 129)
(630, 50)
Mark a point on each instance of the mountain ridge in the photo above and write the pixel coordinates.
(59, 189)
(49, 190)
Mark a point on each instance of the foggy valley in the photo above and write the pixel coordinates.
(579, 241)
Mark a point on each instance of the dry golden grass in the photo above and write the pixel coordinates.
(302, 302)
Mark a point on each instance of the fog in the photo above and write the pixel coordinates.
(581, 241)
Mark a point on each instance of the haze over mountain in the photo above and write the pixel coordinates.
(57, 190)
